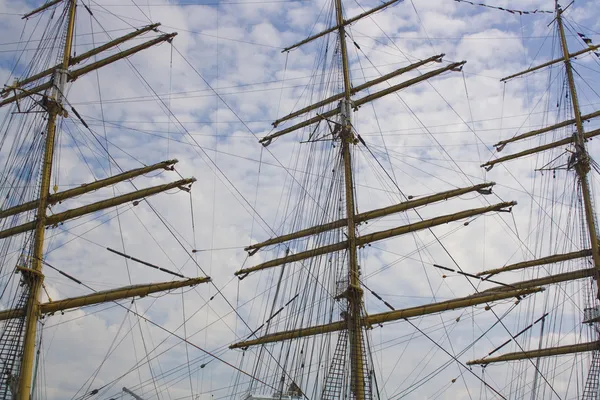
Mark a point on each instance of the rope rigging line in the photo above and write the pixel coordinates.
(509, 10)
(204, 150)
(256, 213)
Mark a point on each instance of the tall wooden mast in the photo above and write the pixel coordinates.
(53, 102)
(354, 292)
(354, 322)
(54, 106)
(580, 162)
(582, 158)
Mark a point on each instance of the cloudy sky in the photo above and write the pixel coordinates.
(209, 96)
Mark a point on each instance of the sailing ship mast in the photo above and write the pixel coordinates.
(355, 321)
(54, 103)
(354, 292)
(580, 161)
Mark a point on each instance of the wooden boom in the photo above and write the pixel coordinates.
(479, 298)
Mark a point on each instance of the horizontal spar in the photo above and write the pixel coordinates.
(105, 296)
(362, 240)
(547, 280)
(72, 75)
(377, 213)
(26, 92)
(496, 293)
(77, 59)
(389, 316)
(392, 89)
(547, 64)
(500, 145)
(112, 43)
(552, 351)
(88, 187)
(357, 103)
(540, 261)
(100, 205)
(490, 164)
(359, 88)
(373, 237)
(294, 257)
(122, 54)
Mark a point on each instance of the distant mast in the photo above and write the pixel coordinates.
(580, 162)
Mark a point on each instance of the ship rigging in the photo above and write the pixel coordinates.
(328, 268)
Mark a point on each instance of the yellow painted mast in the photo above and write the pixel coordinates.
(582, 166)
(354, 322)
(53, 103)
(581, 155)
(34, 278)
(354, 293)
